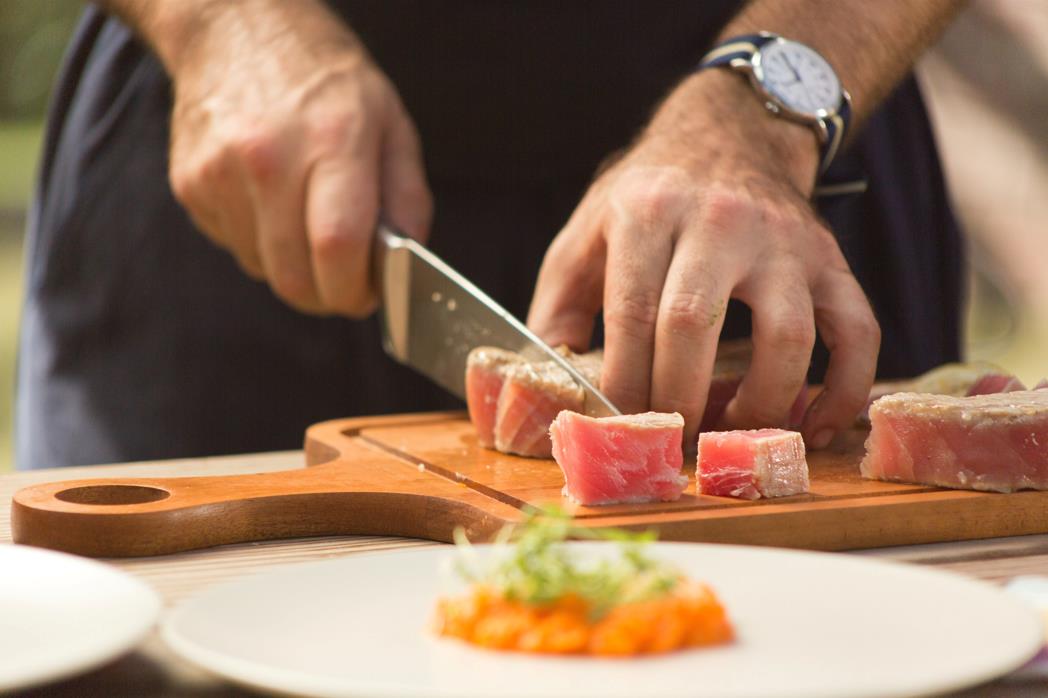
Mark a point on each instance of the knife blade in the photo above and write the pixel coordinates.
(432, 317)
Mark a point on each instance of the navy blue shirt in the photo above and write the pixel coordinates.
(142, 340)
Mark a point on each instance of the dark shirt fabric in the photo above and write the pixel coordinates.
(141, 340)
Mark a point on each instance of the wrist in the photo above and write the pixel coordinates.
(170, 28)
(190, 33)
(722, 105)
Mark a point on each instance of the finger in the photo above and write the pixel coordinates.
(783, 338)
(342, 212)
(851, 333)
(219, 206)
(280, 222)
(635, 273)
(237, 220)
(691, 315)
(570, 286)
(236, 212)
(406, 198)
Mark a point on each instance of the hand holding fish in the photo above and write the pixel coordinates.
(707, 206)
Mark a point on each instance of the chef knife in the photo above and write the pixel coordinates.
(432, 317)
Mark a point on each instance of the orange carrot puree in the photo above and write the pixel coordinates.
(687, 616)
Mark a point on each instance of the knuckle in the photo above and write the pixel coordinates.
(724, 208)
(415, 196)
(256, 148)
(335, 238)
(691, 313)
(293, 286)
(792, 333)
(650, 195)
(634, 313)
(333, 129)
(866, 329)
(181, 184)
(251, 266)
(205, 175)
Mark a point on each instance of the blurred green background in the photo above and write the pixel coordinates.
(33, 35)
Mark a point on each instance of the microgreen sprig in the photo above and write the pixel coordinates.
(530, 564)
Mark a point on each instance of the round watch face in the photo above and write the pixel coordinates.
(798, 76)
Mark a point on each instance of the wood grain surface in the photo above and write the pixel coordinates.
(423, 475)
(154, 670)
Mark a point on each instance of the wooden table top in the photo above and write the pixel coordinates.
(152, 670)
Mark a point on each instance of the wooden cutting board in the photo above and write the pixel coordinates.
(422, 475)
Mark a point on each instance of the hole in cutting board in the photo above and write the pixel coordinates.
(112, 494)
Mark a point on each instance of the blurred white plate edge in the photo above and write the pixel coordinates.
(62, 615)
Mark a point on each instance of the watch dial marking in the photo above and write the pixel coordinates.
(798, 76)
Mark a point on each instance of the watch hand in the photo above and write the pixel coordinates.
(796, 75)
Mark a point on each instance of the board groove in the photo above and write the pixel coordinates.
(414, 461)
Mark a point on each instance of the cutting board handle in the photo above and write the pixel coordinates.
(351, 488)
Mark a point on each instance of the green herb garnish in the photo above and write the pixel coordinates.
(530, 564)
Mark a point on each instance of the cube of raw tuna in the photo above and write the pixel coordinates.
(485, 373)
(751, 463)
(532, 396)
(996, 442)
(609, 460)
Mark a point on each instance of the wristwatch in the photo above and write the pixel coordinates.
(793, 81)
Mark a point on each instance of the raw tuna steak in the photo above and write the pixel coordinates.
(751, 464)
(628, 459)
(532, 396)
(996, 442)
(485, 374)
(956, 379)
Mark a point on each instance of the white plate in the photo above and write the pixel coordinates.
(808, 624)
(61, 615)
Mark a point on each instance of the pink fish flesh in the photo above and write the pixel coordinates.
(751, 464)
(546, 390)
(956, 379)
(532, 396)
(995, 383)
(485, 374)
(628, 459)
(996, 442)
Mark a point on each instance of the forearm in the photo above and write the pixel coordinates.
(871, 45)
(174, 28)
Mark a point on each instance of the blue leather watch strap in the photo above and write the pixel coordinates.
(739, 48)
(836, 126)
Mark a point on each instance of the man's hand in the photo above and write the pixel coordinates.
(287, 140)
(711, 203)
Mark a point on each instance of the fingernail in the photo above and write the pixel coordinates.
(822, 439)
